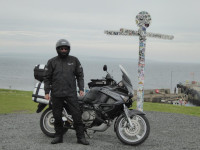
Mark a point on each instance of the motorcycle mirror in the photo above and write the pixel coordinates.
(105, 68)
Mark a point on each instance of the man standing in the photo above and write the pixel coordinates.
(61, 75)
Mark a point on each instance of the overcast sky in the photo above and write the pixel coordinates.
(34, 26)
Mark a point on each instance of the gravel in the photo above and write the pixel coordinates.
(168, 132)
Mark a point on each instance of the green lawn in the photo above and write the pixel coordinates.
(160, 107)
(15, 101)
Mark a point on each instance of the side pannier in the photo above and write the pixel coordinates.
(38, 94)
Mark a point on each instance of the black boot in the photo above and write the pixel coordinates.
(56, 140)
(83, 141)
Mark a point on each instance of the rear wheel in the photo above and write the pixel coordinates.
(132, 135)
(47, 123)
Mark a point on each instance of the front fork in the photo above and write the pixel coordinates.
(126, 110)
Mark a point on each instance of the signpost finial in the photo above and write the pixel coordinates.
(143, 19)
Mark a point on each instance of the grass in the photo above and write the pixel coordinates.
(15, 101)
(161, 107)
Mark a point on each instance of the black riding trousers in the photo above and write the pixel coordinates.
(73, 108)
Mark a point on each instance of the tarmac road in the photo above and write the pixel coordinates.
(168, 132)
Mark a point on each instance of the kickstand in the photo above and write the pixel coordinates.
(90, 133)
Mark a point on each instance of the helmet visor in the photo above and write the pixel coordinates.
(64, 48)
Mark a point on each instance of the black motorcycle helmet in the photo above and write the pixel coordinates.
(60, 44)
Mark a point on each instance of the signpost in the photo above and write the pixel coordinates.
(143, 20)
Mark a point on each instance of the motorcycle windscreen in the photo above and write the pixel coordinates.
(126, 80)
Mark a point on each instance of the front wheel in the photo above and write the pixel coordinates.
(47, 123)
(132, 135)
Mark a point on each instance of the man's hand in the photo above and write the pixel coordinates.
(81, 93)
(47, 97)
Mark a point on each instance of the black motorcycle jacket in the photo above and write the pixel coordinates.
(61, 75)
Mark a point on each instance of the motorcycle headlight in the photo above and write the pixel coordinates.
(125, 98)
(121, 84)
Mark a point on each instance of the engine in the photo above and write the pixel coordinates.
(88, 116)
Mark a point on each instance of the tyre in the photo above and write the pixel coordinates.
(132, 135)
(47, 123)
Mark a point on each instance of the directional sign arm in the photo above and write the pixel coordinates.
(109, 32)
(161, 36)
(122, 31)
(129, 32)
(112, 32)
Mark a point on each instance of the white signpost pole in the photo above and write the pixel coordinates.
(143, 20)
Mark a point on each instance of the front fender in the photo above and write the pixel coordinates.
(133, 112)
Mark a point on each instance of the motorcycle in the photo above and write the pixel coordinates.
(106, 102)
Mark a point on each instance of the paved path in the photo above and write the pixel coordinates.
(168, 132)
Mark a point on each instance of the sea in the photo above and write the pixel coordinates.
(16, 71)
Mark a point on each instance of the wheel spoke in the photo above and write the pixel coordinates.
(121, 129)
(124, 125)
